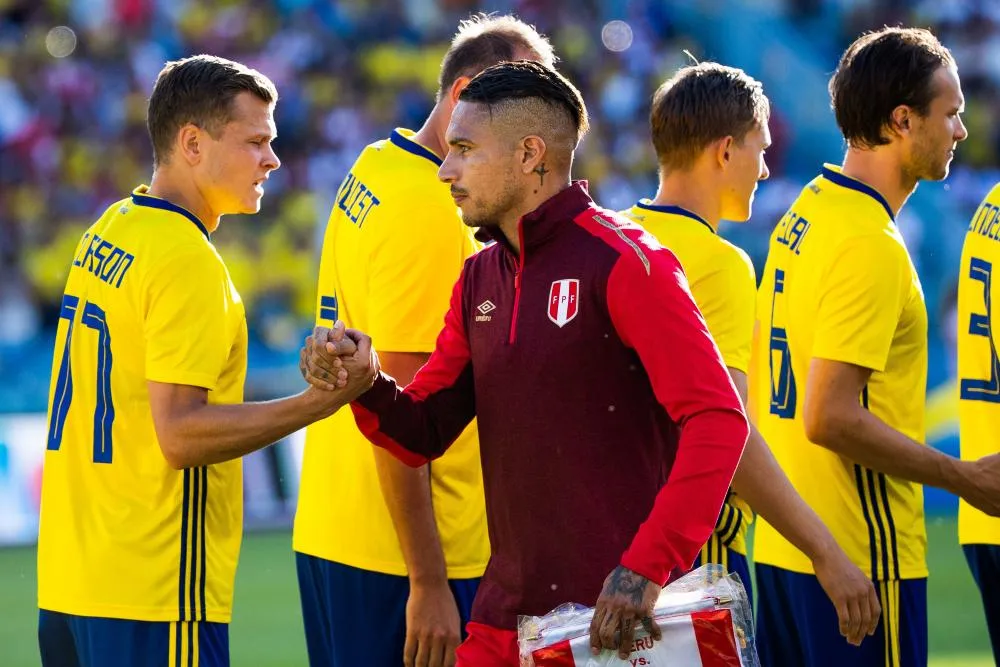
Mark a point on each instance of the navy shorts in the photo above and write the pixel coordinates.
(733, 561)
(797, 624)
(984, 561)
(65, 640)
(358, 617)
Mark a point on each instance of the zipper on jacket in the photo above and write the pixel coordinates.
(517, 282)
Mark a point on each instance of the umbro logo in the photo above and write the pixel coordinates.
(485, 308)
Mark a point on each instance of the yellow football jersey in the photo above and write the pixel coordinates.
(724, 286)
(393, 249)
(839, 284)
(122, 534)
(978, 364)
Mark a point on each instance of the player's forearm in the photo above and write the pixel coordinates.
(407, 494)
(415, 430)
(206, 434)
(687, 507)
(763, 484)
(857, 434)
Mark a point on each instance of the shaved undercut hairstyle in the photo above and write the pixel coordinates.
(701, 104)
(533, 99)
(487, 39)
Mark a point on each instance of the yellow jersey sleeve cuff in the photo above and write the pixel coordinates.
(857, 357)
(173, 376)
(384, 344)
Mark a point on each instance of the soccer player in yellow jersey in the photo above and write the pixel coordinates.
(389, 557)
(841, 348)
(141, 512)
(979, 396)
(709, 127)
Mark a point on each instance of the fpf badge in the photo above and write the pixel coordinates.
(564, 301)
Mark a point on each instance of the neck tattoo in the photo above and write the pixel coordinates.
(541, 171)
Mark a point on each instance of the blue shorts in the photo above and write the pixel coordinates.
(716, 552)
(797, 624)
(984, 561)
(65, 640)
(358, 617)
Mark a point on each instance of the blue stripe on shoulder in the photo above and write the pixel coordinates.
(411, 146)
(854, 184)
(164, 205)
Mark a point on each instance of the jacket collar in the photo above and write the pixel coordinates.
(545, 221)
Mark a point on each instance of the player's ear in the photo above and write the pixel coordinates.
(532, 149)
(900, 119)
(189, 143)
(457, 87)
(724, 151)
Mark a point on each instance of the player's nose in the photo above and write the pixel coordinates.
(271, 161)
(765, 173)
(963, 133)
(447, 172)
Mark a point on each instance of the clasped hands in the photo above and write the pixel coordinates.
(339, 360)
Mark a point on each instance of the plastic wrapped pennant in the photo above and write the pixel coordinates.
(704, 618)
(699, 639)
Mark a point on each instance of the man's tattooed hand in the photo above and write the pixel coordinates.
(626, 600)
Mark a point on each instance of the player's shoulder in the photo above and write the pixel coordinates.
(395, 180)
(733, 258)
(398, 162)
(983, 231)
(637, 248)
(158, 228)
(993, 196)
(850, 204)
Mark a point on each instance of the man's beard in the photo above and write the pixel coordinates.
(491, 215)
(929, 164)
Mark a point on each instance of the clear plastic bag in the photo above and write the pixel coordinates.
(705, 618)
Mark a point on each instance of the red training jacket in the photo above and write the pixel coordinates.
(609, 427)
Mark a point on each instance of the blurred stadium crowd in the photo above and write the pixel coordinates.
(73, 140)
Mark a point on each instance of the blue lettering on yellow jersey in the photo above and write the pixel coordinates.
(103, 259)
(839, 285)
(122, 534)
(978, 363)
(393, 250)
(356, 200)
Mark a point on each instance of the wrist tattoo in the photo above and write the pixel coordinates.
(627, 583)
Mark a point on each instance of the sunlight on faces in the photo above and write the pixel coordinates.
(236, 163)
(745, 169)
(933, 138)
(482, 167)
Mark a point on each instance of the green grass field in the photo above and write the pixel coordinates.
(267, 628)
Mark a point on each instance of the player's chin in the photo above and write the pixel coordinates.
(940, 173)
(739, 214)
(252, 204)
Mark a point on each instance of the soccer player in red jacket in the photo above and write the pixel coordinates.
(609, 427)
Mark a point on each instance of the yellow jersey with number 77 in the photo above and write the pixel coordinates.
(122, 534)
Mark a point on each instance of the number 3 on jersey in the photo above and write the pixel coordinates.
(981, 325)
(780, 359)
(104, 411)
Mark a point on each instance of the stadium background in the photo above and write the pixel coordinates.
(72, 140)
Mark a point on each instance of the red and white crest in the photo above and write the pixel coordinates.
(564, 301)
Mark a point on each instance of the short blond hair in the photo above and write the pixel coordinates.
(700, 104)
(487, 39)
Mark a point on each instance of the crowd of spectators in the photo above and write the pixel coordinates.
(72, 134)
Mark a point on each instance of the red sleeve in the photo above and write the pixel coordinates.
(654, 313)
(419, 423)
